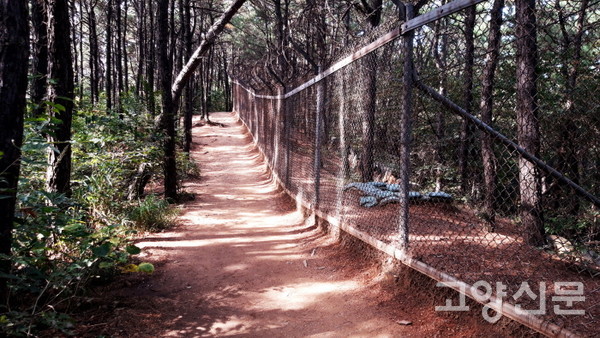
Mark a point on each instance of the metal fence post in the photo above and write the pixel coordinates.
(406, 133)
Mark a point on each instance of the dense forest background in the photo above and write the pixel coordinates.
(98, 97)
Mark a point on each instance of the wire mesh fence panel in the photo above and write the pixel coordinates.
(502, 127)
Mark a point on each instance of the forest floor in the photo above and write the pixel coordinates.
(242, 261)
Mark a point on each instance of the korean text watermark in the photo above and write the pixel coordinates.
(566, 294)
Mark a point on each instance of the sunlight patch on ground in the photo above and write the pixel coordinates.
(236, 267)
(275, 238)
(302, 295)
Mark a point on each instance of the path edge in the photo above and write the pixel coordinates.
(517, 314)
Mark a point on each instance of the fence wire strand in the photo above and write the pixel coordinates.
(478, 210)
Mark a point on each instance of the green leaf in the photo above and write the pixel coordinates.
(102, 250)
(146, 268)
(106, 265)
(133, 250)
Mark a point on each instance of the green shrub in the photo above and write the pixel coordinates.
(152, 213)
(62, 243)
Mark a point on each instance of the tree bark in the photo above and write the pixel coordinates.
(487, 95)
(367, 109)
(168, 109)
(94, 55)
(150, 71)
(468, 131)
(140, 9)
(39, 64)
(440, 56)
(189, 94)
(372, 11)
(14, 50)
(60, 93)
(108, 78)
(124, 47)
(528, 131)
(210, 37)
(567, 145)
(119, 57)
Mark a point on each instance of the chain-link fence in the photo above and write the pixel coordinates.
(470, 144)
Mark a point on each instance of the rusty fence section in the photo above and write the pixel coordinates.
(447, 143)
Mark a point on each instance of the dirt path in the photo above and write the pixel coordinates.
(244, 263)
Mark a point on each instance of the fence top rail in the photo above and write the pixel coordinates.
(392, 35)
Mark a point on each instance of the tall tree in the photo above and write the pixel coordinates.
(168, 110)
(140, 11)
(528, 130)
(170, 102)
(109, 61)
(486, 106)
(188, 108)
(119, 52)
(14, 49)
(151, 59)
(440, 57)
(194, 61)
(94, 58)
(60, 93)
(567, 144)
(468, 130)
(372, 12)
(39, 62)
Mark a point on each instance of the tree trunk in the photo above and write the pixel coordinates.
(60, 93)
(487, 95)
(124, 47)
(141, 30)
(528, 131)
(108, 78)
(39, 64)
(74, 45)
(367, 109)
(14, 49)
(440, 55)
(189, 94)
(468, 131)
(372, 11)
(81, 60)
(168, 111)
(568, 143)
(94, 56)
(150, 51)
(210, 37)
(119, 57)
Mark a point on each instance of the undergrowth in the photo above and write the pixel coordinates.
(62, 243)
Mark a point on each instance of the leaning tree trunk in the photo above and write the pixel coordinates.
(528, 131)
(14, 49)
(60, 93)
(487, 91)
(209, 39)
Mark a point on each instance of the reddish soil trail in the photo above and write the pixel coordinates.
(243, 262)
